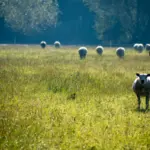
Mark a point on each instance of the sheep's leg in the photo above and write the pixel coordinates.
(139, 101)
(149, 53)
(147, 102)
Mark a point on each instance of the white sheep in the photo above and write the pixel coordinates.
(57, 44)
(99, 50)
(141, 87)
(135, 46)
(120, 52)
(139, 47)
(43, 44)
(147, 47)
(82, 52)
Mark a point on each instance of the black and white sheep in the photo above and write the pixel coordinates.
(147, 47)
(120, 52)
(141, 87)
(99, 50)
(57, 44)
(43, 44)
(82, 52)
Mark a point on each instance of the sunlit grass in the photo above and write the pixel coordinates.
(50, 99)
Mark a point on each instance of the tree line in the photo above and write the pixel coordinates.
(121, 20)
(116, 21)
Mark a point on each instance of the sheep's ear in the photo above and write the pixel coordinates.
(138, 74)
(148, 75)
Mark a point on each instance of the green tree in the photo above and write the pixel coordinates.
(29, 15)
(115, 19)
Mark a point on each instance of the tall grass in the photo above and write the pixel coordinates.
(50, 99)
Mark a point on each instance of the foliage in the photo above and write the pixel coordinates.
(29, 15)
(38, 111)
(118, 21)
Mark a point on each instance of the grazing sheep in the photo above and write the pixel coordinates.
(139, 47)
(135, 46)
(148, 48)
(120, 52)
(43, 44)
(141, 87)
(99, 50)
(82, 52)
(57, 44)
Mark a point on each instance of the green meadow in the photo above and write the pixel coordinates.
(52, 100)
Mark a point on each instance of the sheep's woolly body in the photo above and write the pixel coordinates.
(147, 47)
(82, 52)
(57, 44)
(120, 52)
(99, 50)
(136, 46)
(140, 89)
(139, 47)
(43, 44)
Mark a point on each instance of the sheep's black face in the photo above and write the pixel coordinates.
(142, 81)
(143, 77)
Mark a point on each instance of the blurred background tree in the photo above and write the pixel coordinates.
(120, 20)
(29, 15)
(81, 21)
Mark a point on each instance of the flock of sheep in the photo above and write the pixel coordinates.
(140, 47)
(56, 44)
(120, 51)
(141, 85)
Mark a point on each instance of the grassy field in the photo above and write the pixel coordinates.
(52, 100)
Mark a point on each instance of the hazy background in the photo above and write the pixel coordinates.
(82, 22)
